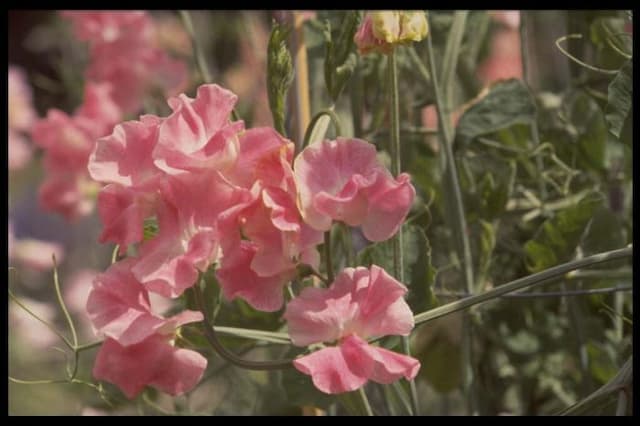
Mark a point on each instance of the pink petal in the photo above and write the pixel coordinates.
(367, 302)
(98, 108)
(124, 156)
(152, 362)
(332, 370)
(382, 309)
(388, 366)
(326, 167)
(389, 203)
(237, 279)
(119, 307)
(122, 212)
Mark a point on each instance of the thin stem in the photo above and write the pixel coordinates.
(578, 61)
(621, 409)
(88, 346)
(328, 259)
(586, 292)
(211, 336)
(67, 316)
(446, 139)
(199, 54)
(49, 326)
(365, 401)
(396, 169)
(460, 228)
(528, 281)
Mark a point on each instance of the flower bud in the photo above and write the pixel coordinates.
(382, 30)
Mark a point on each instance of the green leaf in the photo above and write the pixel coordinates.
(340, 56)
(587, 119)
(558, 237)
(620, 99)
(487, 244)
(279, 73)
(507, 103)
(418, 268)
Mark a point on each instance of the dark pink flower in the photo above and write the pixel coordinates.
(343, 180)
(361, 303)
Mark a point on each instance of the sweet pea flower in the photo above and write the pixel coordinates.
(138, 351)
(343, 180)
(198, 135)
(380, 31)
(276, 238)
(361, 303)
(188, 236)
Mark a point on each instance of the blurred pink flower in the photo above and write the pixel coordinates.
(509, 18)
(360, 303)
(123, 51)
(33, 253)
(26, 328)
(21, 118)
(343, 180)
(505, 57)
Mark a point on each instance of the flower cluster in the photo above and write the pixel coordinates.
(217, 193)
(123, 64)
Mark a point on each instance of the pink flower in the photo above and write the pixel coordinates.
(343, 180)
(258, 269)
(33, 253)
(187, 240)
(505, 57)
(198, 134)
(152, 362)
(138, 351)
(361, 303)
(20, 150)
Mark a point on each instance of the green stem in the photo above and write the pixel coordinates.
(524, 53)
(365, 401)
(67, 316)
(396, 169)
(521, 283)
(199, 54)
(49, 326)
(443, 106)
(211, 336)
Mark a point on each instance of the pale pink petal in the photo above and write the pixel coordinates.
(259, 145)
(388, 366)
(389, 203)
(119, 307)
(193, 126)
(122, 212)
(77, 289)
(20, 152)
(334, 370)
(36, 254)
(237, 279)
(124, 156)
(20, 101)
(152, 362)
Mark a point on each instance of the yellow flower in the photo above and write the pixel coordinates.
(413, 25)
(386, 25)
